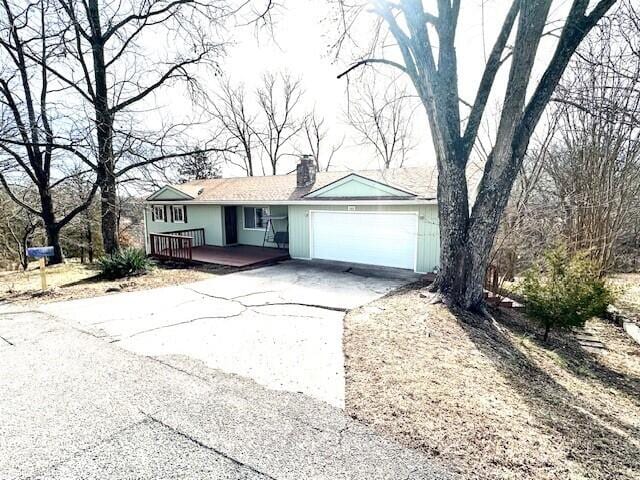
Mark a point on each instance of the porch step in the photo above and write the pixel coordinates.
(241, 256)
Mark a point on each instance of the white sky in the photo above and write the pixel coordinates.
(302, 35)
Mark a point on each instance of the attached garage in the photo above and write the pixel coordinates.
(388, 239)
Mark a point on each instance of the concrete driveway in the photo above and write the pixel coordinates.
(281, 326)
(73, 406)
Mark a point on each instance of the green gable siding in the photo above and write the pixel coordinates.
(357, 187)
(170, 194)
(428, 232)
(208, 217)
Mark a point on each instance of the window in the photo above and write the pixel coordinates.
(158, 213)
(177, 214)
(255, 218)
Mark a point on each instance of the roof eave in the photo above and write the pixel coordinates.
(306, 201)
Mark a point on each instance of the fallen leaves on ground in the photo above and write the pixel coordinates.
(492, 400)
(629, 285)
(73, 280)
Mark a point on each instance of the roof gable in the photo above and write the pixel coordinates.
(406, 183)
(357, 186)
(170, 193)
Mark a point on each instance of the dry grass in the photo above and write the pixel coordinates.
(630, 297)
(75, 280)
(495, 402)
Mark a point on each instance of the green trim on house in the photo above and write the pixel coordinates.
(428, 256)
(169, 193)
(355, 186)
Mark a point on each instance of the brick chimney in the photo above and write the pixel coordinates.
(306, 171)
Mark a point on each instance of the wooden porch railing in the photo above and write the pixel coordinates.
(176, 245)
(196, 235)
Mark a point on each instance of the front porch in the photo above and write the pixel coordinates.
(239, 255)
(191, 246)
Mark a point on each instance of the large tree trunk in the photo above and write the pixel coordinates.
(53, 240)
(466, 239)
(453, 213)
(104, 127)
(51, 227)
(109, 216)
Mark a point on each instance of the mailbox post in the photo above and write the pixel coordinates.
(41, 253)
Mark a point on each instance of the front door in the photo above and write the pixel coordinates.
(230, 225)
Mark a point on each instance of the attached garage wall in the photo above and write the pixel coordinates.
(428, 233)
(208, 217)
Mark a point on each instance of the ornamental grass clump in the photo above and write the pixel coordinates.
(124, 263)
(565, 290)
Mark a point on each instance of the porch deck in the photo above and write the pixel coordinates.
(191, 246)
(238, 255)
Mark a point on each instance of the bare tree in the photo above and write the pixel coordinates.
(383, 121)
(529, 225)
(28, 140)
(103, 41)
(595, 165)
(581, 186)
(316, 140)
(467, 234)
(100, 38)
(17, 228)
(232, 112)
(257, 131)
(81, 237)
(279, 98)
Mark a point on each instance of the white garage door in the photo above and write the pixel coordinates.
(387, 239)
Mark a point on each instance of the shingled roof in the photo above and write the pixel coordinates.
(419, 182)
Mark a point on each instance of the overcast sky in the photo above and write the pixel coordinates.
(302, 35)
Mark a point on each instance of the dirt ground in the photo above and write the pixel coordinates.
(494, 401)
(75, 280)
(630, 296)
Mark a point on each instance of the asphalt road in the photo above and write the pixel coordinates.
(74, 406)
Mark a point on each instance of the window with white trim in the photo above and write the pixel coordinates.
(158, 213)
(177, 212)
(255, 218)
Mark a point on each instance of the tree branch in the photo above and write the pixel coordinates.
(79, 208)
(368, 61)
(168, 156)
(488, 77)
(578, 26)
(158, 83)
(15, 199)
